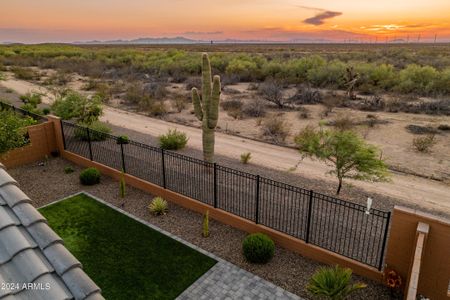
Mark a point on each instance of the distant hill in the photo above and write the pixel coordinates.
(162, 40)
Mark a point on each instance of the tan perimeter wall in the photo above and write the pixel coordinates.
(435, 266)
(42, 142)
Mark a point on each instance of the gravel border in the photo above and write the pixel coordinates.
(47, 183)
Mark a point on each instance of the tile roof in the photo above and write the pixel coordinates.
(34, 264)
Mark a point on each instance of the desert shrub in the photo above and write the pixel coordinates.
(244, 68)
(13, 133)
(258, 248)
(156, 90)
(303, 113)
(298, 68)
(157, 109)
(98, 131)
(374, 103)
(272, 91)
(103, 91)
(417, 129)
(72, 105)
(24, 73)
(330, 74)
(253, 86)
(229, 79)
(90, 176)
(329, 104)
(417, 79)
(425, 143)
(333, 283)
(158, 206)
(31, 98)
(179, 102)
(123, 139)
(31, 108)
(2, 76)
(134, 93)
(275, 128)
(444, 127)
(254, 108)
(245, 157)
(46, 111)
(193, 82)
(342, 122)
(68, 170)
(306, 95)
(59, 78)
(173, 140)
(441, 84)
(233, 108)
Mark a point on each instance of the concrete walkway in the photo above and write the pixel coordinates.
(227, 281)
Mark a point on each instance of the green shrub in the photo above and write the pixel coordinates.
(333, 283)
(276, 129)
(258, 248)
(123, 139)
(90, 176)
(13, 130)
(98, 131)
(173, 140)
(24, 73)
(73, 105)
(46, 111)
(245, 157)
(417, 79)
(158, 206)
(33, 99)
(31, 108)
(68, 170)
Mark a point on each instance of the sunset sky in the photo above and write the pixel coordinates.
(33, 21)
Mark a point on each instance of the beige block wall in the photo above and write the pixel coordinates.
(435, 264)
(42, 143)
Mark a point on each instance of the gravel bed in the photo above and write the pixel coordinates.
(47, 183)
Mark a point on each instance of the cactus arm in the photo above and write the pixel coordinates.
(214, 105)
(206, 84)
(197, 104)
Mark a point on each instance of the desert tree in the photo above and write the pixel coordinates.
(348, 154)
(351, 78)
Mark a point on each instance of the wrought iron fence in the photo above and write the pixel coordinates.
(37, 117)
(339, 226)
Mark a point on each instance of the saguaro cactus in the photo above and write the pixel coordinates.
(207, 107)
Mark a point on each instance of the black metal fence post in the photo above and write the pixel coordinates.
(89, 141)
(63, 135)
(257, 200)
(309, 220)
(215, 185)
(163, 166)
(383, 246)
(123, 158)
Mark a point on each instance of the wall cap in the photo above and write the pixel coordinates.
(442, 220)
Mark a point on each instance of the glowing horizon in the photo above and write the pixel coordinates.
(283, 20)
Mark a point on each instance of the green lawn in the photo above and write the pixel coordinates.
(127, 259)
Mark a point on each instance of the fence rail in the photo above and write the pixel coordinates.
(342, 227)
(23, 112)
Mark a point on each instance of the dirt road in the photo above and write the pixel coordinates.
(415, 190)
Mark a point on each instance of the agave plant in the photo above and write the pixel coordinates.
(158, 206)
(333, 283)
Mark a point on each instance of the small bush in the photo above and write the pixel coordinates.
(275, 128)
(33, 99)
(258, 248)
(68, 170)
(205, 226)
(333, 283)
(417, 129)
(123, 139)
(179, 102)
(173, 140)
(343, 123)
(306, 96)
(303, 113)
(24, 73)
(245, 157)
(157, 109)
(156, 90)
(272, 91)
(444, 127)
(158, 206)
(255, 108)
(233, 108)
(90, 176)
(425, 143)
(46, 111)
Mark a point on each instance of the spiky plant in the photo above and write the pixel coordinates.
(333, 283)
(158, 206)
(206, 107)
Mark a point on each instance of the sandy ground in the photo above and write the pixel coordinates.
(420, 191)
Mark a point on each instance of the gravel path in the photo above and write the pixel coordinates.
(45, 184)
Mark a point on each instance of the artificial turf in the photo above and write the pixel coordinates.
(125, 258)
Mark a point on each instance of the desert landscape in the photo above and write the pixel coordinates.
(262, 113)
